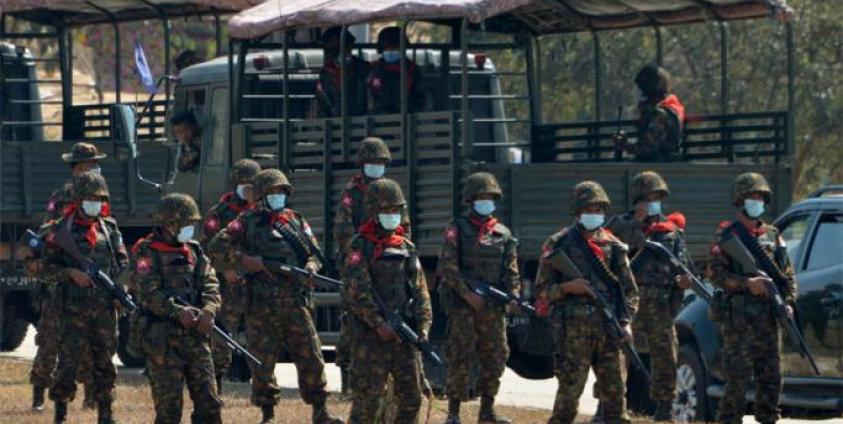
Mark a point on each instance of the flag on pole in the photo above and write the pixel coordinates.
(144, 73)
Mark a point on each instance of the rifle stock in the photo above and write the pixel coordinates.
(490, 292)
(700, 288)
(294, 271)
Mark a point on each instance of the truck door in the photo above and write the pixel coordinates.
(215, 153)
(194, 99)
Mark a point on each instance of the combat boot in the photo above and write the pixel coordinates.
(60, 416)
(89, 402)
(487, 413)
(322, 416)
(453, 412)
(37, 398)
(104, 413)
(664, 411)
(268, 414)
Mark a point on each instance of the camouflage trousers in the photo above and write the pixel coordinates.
(285, 324)
(475, 338)
(47, 340)
(90, 322)
(751, 347)
(582, 343)
(235, 301)
(654, 332)
(343, 358)
(175, 357)
(372, 362)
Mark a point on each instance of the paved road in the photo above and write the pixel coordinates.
(515, 391)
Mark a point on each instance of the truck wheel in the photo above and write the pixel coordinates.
(532, 367)
(129, 360)
(15, 327)
(691, 402)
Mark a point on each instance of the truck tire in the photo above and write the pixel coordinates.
(532, 367)
(15, 326)
(129, 360)
(691, 402)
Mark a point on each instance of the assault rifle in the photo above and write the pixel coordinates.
(700, 288)
(65, 241)
(222, 334)
(294, 271)
(490, 292)
(738, 252)
(404, 331)
(563, 263)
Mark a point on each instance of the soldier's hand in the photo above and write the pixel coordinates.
(386, 333)
(683, 281)
(627, 333)
(758, 285)
(512, 308)
(578, 287)
(205, 323)
(232, 277)
(789, 310)
(474, 300)
(252, 264)
(640, 213)
(81, 278)
(187, 318)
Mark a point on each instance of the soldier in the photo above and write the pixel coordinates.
(83, 157)
(279, 316)
(661, 285)
(328, 90)
(661, 118)
(383, 81)
(751, 334)
(382, 262)
(579, 328)
(168, 264)
(234, 291)
(87, 310)
(187, 133)
(477, 248)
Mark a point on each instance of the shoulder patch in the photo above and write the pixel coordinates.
(451, 234)
(235, 226)
(143, 265)
(347, 201)
(354, 258)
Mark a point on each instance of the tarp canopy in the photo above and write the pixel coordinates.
(87, 12)
(533, 16)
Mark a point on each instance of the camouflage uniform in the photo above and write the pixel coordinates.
(660, 118)
(385, 261)
(328, 90)
(579, 330)
(86, 313)
(750, 331)
(163, 269)
(279, 317)
(235, 296)
(660, 296)
(481, 249)
(384, 80)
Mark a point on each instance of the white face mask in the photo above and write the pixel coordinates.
(96, 170)
(754, 208)
(374, 170)
(185, 234)
(389, 221)
(92, 208)
(276, 202)
(591, 221)
(654, 208)
(241, 190)
(484, 207)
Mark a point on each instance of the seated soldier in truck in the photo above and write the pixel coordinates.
(383, 82)
(186, 130)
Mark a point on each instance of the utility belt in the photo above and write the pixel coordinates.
(739, 307)
(265, 286)
(578, 306)
(70, 292)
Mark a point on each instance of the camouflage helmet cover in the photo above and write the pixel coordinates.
(481, 183)
(588, 193)
(748, 183)
(383, 193)
(389, 36)
(648, 182)
(372, 149)
(269, 178)
(244, 171)
(653, 80)
(177, 207)
(89, 184)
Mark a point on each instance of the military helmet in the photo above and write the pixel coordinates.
(588, 193)
(481, 183)
(244, 171)
(748, 183)
(89, 184)
(653, 80)
(648, 182)
(389, 36)
(269, 178)
(372, 149)
(83, 152)
(383, 193)
(177, 207)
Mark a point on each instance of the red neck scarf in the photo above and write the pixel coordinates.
(675, 221)
(234, 202)
(672, 102)
(484, 224)
(396, 68)
(756, 231)
(595, 245)
(163, 247)
(359, 182)
(281, 216)
(91, 232)
(370, 230)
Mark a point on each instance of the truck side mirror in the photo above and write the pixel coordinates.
(123, 132)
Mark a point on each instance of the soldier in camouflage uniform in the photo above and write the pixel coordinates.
(328, 90)
(187, 133)
(661, 285)
(279, 316)
(661, 118)
(383, 261)
(477, 248)
(83, 157)
(751, 334)
(385, 76)
(235, 294)
(176, 338)
(87, 311)
(582, 341)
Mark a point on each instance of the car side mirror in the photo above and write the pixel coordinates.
(123, 132)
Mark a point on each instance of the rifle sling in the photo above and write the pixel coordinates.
(764, 261)
(295, 242)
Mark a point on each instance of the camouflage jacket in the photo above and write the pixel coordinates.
(221, 214)
(481, 250)
(352, 212)
(623, 294)
(328, 95)
(649, 268)
(727, 275)
(659, 130)
(58, 200)
(163, 270)
(385, 90)
(189, 156)
(397, 276)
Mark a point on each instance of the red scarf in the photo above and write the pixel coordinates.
(359, 182)
(370, 229)
(396, 68)
(283, 217)
(594, 245)
(675, 221)
(181, 248)
(91, 232)
(672, 102)
(484, 225)
(226, 198)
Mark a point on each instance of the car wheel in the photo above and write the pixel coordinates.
(691, 402)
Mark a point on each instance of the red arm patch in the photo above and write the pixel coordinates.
(234, 227)
(354, 258)
(451, 234)
(347, 201)
(143, 266)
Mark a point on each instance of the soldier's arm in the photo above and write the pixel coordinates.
(212, 223)
(449, 267)
(628, 285)
(343, 223)
(791, 288)
(423, 309)
(511, 274)
(147, 279)
(547, 275)
(313, 263)
(53, 267)
(719, 265)
(360, 285)
(120, 253)
(226, 247)
(33, 264)
(211, 299)
(628, 229)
